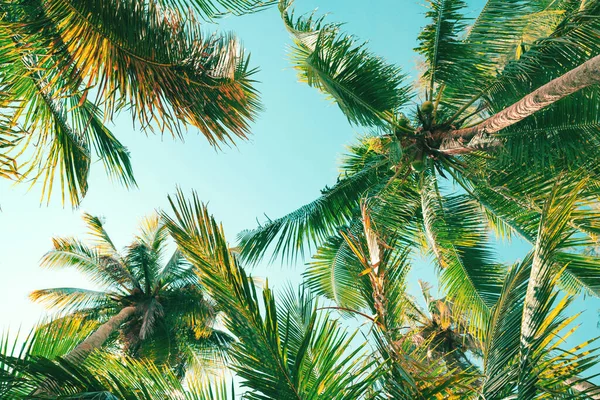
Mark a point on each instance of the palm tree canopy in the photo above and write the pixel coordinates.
(472, 70)
(68, 67)
(173, 321)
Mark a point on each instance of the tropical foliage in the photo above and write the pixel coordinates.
(290, 346)
(157, 305)
(507, 114)
(477, 76)
(69, 67)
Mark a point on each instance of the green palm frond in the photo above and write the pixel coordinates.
(69, 252)
(57, 55)
(101, 239)
(69, 300)
(267, 366)
(522, 354)
(335, 272)
(313, 223)
(57, 337)
(213, 9)
(497, 36)
(458, 239)
(551, 140)
(179, 80)
(102, 376)
(549, 57)
(503, 335)
(439, 42)
(368, 90)
(178, 272)
(516, 200)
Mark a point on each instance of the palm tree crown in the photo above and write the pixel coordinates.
(68, 67)
(169, 319)
(491, 74)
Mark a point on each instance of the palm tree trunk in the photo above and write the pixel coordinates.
(99, 337)
(591, 390)
(579, 78)
(91, 343)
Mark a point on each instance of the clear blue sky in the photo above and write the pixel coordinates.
(292, 154)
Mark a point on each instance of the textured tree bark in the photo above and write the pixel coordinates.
(585, 75)
(91, 343)
(99, 337)
(591, 390)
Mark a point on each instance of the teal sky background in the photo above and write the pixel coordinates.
(291, 155)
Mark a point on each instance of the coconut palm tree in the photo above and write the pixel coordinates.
(521, 335)
(157, 305)
(288, 347)
(294, 350)
(68, 67)
(35, 362)
(514, 362)
(464, 132)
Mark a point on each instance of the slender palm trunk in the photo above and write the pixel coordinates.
(585, 75)
(99, 337)
(591, 390)
(91, 343)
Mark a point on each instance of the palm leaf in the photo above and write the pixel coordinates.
(368, 90)
(260, 352)
(313, 223)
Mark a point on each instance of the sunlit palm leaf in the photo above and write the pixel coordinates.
(261, 353)
(368, 90)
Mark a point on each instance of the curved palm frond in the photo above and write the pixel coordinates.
(151, 59)
(522, 353)
(368, 90)
(500, 34)
(335, 273)
(439, 42)
(213, 9)
(73, 300)
(457, 235)
(69, 252)
(260, 355)
(313, 223)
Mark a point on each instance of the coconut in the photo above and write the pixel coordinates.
(427, 107)
(418, 165)
(403, 122)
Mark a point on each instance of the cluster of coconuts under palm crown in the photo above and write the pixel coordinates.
(415, 145)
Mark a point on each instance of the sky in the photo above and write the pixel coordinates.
(292, 153)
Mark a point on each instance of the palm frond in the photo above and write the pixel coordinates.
(456, 233)
(172, 75)
(313, 223)
(69, 252)
(368, 90)
(335, 273)
(522, 354)
(101, 239)
(213, 9)
(260, 353)
(72, 300)
(499, 35)
(440, 44)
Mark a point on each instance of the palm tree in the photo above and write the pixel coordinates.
(520, 344)
(35, 362)
(68, 67)
(284, 349)
(160, 309)
(514, 363)
(287, 348)
(466, 132)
